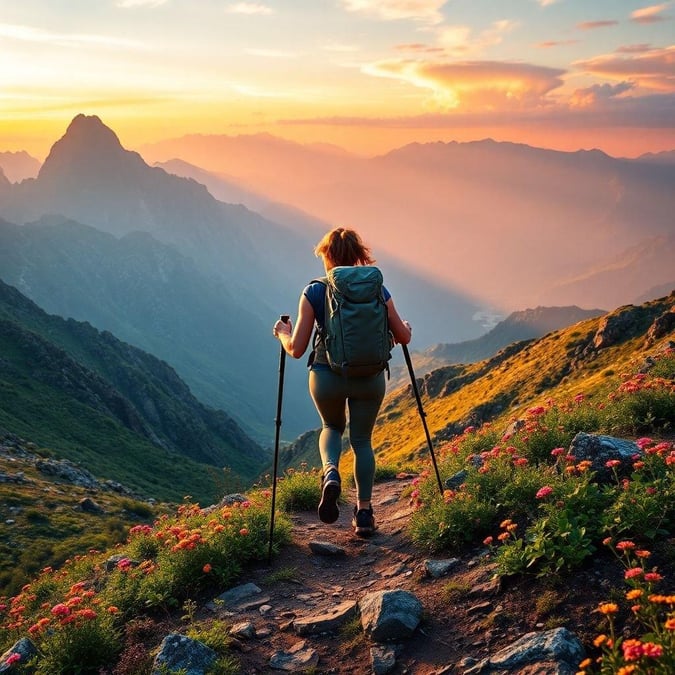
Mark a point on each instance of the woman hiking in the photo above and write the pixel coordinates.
(333, 392)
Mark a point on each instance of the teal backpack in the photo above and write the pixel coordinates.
(356, 338)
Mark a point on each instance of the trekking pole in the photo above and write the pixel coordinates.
(282, 367)
(422, 414)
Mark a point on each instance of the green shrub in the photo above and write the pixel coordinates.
(563, 536)
(299, 490)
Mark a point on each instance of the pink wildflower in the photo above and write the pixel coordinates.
(60, 610)
(544, 492)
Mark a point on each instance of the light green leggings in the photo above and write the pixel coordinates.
(363, 396)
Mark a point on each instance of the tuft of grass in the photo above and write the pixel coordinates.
(299, 489)
(285, 574)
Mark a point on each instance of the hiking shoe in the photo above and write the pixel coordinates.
(330, 493)
(363, 522)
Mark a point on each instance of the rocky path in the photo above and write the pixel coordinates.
(314, 579)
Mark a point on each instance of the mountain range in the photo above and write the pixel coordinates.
(200, 287)
(461, 231)
(510, 225)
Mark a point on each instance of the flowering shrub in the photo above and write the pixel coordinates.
(653, 653)
(77, 616)
(563, 536)
(643, 403)
(645, 502)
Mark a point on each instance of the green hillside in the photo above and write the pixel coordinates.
(122, 413)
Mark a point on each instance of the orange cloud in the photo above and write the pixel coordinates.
(591, 25)
(634, 49)
(650, 14)
(478, 85)
(652, 69)
(556, 43)
(591, 97)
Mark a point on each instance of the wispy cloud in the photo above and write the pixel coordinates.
(652, 69)
(546, 3)
(634, 49)
(427, 11)
(475, 85)
(418, 47)
(249, 8)
(556, 43)
(459, 40)
(38, 35)
(650, 14)
(608, 109)
(591, 25)
(271, 53)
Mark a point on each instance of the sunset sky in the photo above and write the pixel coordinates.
(368, 75)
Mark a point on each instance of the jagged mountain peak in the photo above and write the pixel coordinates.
(89, 148)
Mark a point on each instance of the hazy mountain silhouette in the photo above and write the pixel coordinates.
(445, 312)
(507, 223)
(18, 166)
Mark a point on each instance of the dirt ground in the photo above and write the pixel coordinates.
(467, 613)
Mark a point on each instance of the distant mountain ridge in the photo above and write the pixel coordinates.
(52, 368)
(523, 325)
(17, 166)
(555, 216)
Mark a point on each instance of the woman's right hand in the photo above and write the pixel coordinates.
(282, 327)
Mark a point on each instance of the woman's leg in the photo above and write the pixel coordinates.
(327, 390)
(365, 399)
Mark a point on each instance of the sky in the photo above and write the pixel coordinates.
(367, 75)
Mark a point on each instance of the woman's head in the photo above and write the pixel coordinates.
(343, 247)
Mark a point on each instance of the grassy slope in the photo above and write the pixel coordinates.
(500, 389)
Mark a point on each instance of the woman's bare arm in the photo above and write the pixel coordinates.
(400, 329)
(295, 340)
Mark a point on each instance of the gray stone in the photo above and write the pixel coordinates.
(24, 648)
(456, 480)
(325, 548)
(383, 659)
(179, 652)
(296, 660)
(599, 449)
(235, 597)
(439, 568)
(554, 652)
(88, 505)
(328, 621)
(245, 629)
(390, 615)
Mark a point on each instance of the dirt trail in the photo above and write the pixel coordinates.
(319, 582)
